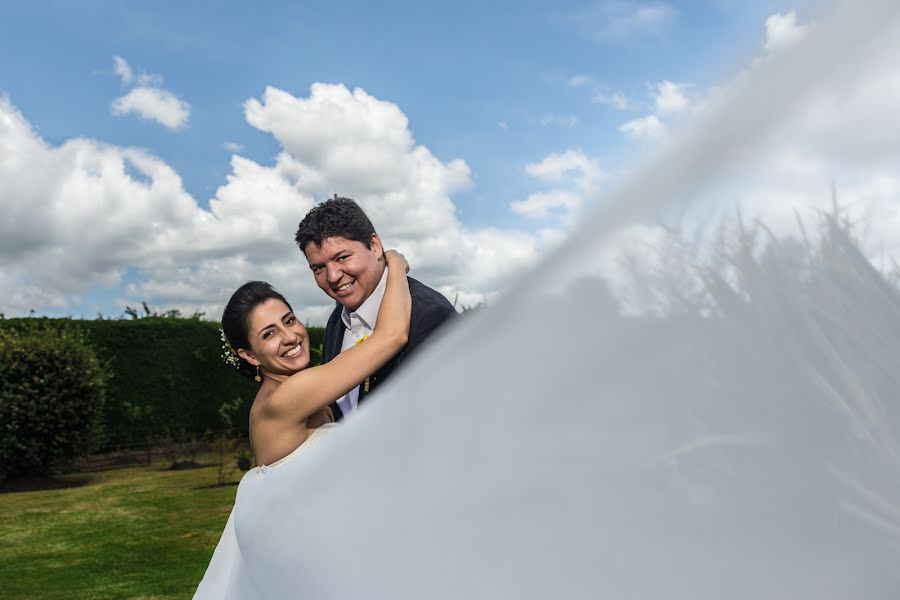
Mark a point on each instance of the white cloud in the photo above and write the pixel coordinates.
(563, 120)
(782, 31)
(556, 166)
(616, 100)
(670, 97)
(541, 204)
(232, 146)
(575, 178)
(122, 70)
(503, 125)
(621, 20)
(644, 128)
(147, 100)
(141, 220)
(74, 217)
(153, 104)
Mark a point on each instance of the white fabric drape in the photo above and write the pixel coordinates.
(534, 452)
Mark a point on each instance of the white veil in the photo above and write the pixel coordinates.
(567, 444)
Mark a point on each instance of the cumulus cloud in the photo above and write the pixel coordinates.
(147, 100)
(540, 204)
(782, 31)
(153, 104)
(644, 128)
(670, 97)
(555, 166)
(575, 179)
(74, 216)
(83, 214)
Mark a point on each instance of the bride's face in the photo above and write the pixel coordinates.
(279, 343)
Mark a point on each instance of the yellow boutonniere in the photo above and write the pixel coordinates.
(365, 389)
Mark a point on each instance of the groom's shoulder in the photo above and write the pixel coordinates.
(428, 297)
(430, 310)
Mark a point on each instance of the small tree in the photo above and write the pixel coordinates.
(52, 389)
(224, 444)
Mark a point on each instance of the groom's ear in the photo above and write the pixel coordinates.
(377, 246)
(248, 357)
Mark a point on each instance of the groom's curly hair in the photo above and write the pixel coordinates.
(335, 217)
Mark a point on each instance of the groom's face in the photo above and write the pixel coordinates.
(345, 269)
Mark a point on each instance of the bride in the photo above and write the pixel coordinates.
(291, 408)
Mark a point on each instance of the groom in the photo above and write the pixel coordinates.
(346, 258)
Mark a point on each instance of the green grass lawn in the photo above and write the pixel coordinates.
(137, 532)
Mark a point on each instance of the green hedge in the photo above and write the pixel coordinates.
(166, 379)
(51, 399)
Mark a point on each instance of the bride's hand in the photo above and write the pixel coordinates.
(395, 260)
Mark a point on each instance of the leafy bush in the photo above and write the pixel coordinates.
(52, 389)
(244, 460)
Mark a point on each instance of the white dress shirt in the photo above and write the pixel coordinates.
(360, 324)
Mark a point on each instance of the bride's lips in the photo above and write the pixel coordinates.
(293, 352)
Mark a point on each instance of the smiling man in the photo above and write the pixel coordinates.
(347, 259)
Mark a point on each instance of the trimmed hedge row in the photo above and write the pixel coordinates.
(166, 379)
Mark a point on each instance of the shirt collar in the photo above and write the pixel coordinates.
(368, 312)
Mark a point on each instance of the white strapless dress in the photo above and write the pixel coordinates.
(231, 573)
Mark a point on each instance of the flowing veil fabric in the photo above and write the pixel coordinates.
(565, 447)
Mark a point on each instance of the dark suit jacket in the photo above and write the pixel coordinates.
(429, 311)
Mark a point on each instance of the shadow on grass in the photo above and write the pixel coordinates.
(38, 483)
(188, 466)
(217, 485)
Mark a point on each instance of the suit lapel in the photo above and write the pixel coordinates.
(334, 335)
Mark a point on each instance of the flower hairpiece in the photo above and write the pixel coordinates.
(229, 354)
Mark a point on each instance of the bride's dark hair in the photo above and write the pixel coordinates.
(235, 318)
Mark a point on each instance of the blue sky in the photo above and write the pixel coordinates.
(498, 85)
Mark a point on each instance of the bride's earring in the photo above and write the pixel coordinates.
(257, 378)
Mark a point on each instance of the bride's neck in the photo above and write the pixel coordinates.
(275, 378)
